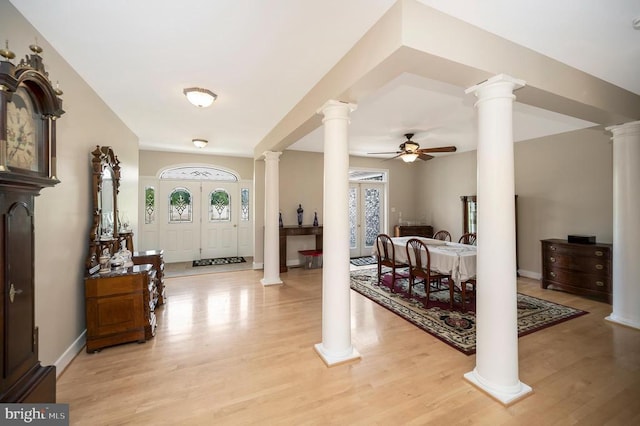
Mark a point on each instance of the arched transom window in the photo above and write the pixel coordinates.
(198, 173)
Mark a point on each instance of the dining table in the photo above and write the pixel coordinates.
(448, 258)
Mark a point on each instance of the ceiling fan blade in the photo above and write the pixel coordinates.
(425, 157)
(396, 156)
(386, 153)
(439, 149)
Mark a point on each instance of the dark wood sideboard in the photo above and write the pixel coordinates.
(583, 269)
(289, 231)
(413, 230)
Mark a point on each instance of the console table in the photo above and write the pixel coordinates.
(287, 231)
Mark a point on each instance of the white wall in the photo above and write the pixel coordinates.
(563, 183)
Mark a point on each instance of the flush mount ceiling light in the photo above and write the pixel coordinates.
(636, 23)
(200, 143)
(200, 97)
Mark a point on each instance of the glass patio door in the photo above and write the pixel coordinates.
(366, 216)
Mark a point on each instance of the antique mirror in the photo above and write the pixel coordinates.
(105, 180)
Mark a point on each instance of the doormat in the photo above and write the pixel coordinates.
(363, 260)
(219, 261)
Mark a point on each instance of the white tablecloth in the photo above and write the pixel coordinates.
(457, 260)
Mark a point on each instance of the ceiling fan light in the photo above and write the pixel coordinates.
(199, 97)
(200, 143)
(409, 157)
(411, 146)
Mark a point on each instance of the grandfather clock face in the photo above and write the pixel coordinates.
(24, 132)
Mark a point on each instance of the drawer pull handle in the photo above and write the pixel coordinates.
(552, 259)
(599, 253)
(599, 283)
(553, 248)
(599, 267)
(553, 274)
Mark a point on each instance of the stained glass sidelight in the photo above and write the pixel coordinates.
(219, 206)
(180, 208)
(244, 204)
(149, 204)
(372, 208)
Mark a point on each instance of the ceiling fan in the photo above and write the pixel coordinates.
(410, 150)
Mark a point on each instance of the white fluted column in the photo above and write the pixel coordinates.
(496, 370)
(626, 225)
(271, 225)
(336, 345)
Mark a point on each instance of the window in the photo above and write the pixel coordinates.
(219, 206)
(149, 205)
(180, 208)
(244, 204)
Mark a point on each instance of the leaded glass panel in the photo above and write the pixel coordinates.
(372, 208)
(353, 220)
(180, 207)
(244, 204)
(219, 206)
(149, 205)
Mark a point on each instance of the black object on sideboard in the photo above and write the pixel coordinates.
(583, 269)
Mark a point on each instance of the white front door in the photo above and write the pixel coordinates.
(220, 209)
(366, 216)
(179, 214)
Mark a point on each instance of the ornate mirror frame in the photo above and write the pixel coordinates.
(103, 161)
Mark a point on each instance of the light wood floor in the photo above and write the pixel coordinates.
(229, 351)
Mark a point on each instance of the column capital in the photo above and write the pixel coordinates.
(271, 155)
(625, 129)
(336, 109)
(498, 86)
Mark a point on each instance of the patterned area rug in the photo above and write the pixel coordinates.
(219, 261)
(457, 329)
(364, 260)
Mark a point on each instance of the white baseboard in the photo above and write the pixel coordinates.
(529, 274)
(74, 349)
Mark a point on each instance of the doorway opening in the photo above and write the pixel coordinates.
(367, 209)
(198, 212)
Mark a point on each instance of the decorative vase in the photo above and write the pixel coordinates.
(280, 220)
(300, 211)
(315, 218)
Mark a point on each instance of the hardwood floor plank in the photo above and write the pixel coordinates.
(230, 351)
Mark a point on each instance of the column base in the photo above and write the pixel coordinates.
(332, 360)
(505, 397)
(614, 319)
(271, 281)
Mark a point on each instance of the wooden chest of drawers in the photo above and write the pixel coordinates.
(120, 307)
(413, 230)
(155, 258)
(583, 269)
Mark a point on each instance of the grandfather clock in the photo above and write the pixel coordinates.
(29, 106)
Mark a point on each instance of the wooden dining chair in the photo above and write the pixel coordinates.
(467, 291)
(442, 235)
(386, 256)
(418, 269)
(469, 238)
